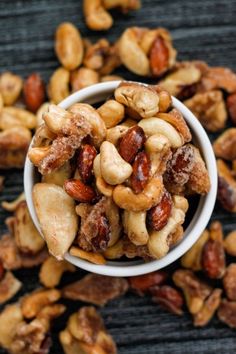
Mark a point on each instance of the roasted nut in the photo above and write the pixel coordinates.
(157, 217)
(106, 78)
(218, 77)
(164, 98)
(10, 317)
(52, 270)
(115, 134)
(213, 259)
(125, 5)
(39, 114)
(33, 303)
(144, 283)
(34, 92)
(211, 304)
(131, 142)
(141, 172)
(142, 99)
(226, 187)
(53, 203)
(12, 206)
(9, 286)
(168, 297)
(230, 243)
(83, 77)
(114, 169)
(58, 176)
(43, 136)
(209, 108)
(96, 17)
(159, 56)
(216, 231)
(158, 149)
(195, 290)
(135, 227)
(193, 258)
(58, 87)
(113, 216)
(231, 106)
(1, 184)
(125, 198)
(87, 154)
(69, 46)
(225, 145)
(103, 187)
(229, 281)
(96, 289)
(227, 312)
(111, 112)
(11, 117)
(92, 257)
(10, 87)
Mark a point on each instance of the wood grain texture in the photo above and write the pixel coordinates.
(203, 29)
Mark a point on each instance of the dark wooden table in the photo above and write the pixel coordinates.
(203, 29)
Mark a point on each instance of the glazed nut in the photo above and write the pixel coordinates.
(58, 87)
(218, 78)
(213, 259)
(157, 216)
(144, 283)
(96, 17)
(39, 114)
(227, 312)
(141, 172)
(115, 134)
(69, 46)
(169, 298)
(87, 154)
(111, 112)
(38, 154)
(230, 243)
(79, 191)
(114, 169)
(9, 286)
(52, 270)
(32, 304)
(91, 257)
(10, 317)
(10, 87)
(211, 304)
(14, 116)
(142, 99)
(231, 106)
(131, 142)
(226, 187)
(193, 258)
(34, 92)
(224, 145)
(229, 282)
(135, 227)
(83, 77)
(158, 149)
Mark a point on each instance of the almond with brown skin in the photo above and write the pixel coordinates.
(143, 283)
(131, 143)
(87, 154)
(34, 92)
(79, 191)
(157, 217)
(141, 169)
(159, 56)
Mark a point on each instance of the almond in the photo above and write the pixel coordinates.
(143, 283)
(34, 92)
(87, 154)
(159, 56)
(141, 171)
(131, 143)
(79, 191)
(157, 217)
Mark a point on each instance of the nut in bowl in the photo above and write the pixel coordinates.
(109, 187)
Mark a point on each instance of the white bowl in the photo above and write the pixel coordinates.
(98, 93)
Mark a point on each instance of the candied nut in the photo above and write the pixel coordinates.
(111, 112)
(225, 145)
(15, 116)
(114, 169)
(164, 98)
(34, 92)
(131, 142)
(87, 154)
(96, 17)
(226, 187)
(168, 297)
(144, 283)
(159, 242)
(103, 187)
(142, 99)
(52, 270)
(227, 312)
(218, 77)
(141, 171)
(58, 176)
(209, 108)
(58, 87)
(33, 303)
(9, 286)
(157, 216)
(12, 206)
(83, 77)
(158, 149)
(113, 216)
(192, 259)
(43, 136)
(39, 114)
(159, 56)
(153, 126)
(230, 243)
(96, 289)
(14, 144)
(229, 281)
(10, 317)
(135, 227)
(231, 106)
(195, 290)
(211, 304)
(79, 191)
(125, 198)
(213, 259)
(69, 46)
(92, 257)
(10, 87)
(53, 203)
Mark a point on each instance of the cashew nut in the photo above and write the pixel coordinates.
(111, 112)
(58, 176)
(58, 87)
(114, 169)
(37, 154)
(125, 198)
(103, 187)
(153, 126)
(116, 133)
(39, 114)
(135, 227)
(158, 149)
(10, 87)
(83, 77)
(142, 99)
(55, 118)
(96, 17)
(11, 117)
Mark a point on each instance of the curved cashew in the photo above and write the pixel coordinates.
(153, 126)
(103, 187)
(114, 134)
(37, 154)
(15, 116)
(55, 118)
(113, 216)
(111, 112)
(142, 99)
(39, 114)
(158, 243)
(58, 87)
(96, 17)
(43, 136)
(92, 116)
(135, 227)
(114, 169)
(129, 123)
(158, 149)
(125, 198)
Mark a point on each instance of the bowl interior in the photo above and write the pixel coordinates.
(98, 93)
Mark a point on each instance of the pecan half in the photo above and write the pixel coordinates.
(226, 187)
(168, 297)
(208, 309)
(227, 313)
(225, 145)
(213, 259)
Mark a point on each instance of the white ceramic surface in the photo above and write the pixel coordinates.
(98, 93)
